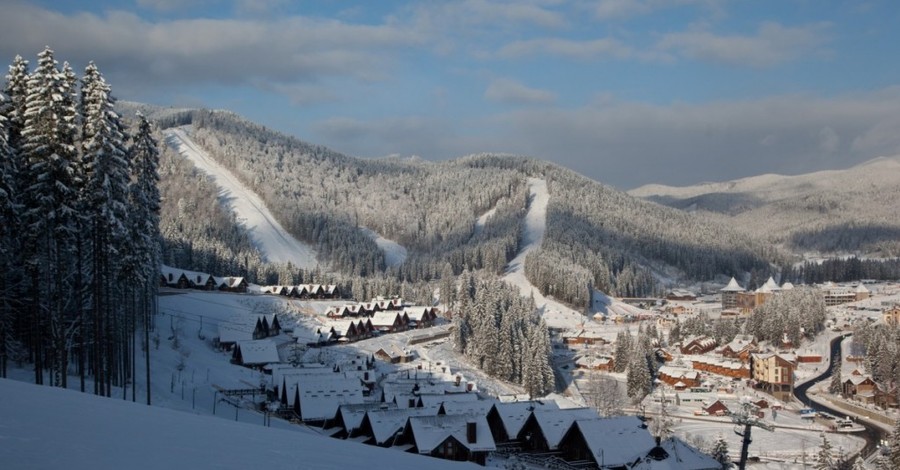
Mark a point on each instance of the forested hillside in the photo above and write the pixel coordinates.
(595, 235)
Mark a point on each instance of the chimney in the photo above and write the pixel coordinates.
(471, 435)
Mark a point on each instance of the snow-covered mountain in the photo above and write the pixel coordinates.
(840, 211)
(436, 211)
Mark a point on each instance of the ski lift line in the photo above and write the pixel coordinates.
(232, 306)
(201, 317)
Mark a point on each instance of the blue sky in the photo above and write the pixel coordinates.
(626, 92)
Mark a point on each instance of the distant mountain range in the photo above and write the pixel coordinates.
(851, 211)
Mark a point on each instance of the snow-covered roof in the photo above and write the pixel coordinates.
(435, 399)
(616, 442)
(468, 407)
(353, 414)
(675, 454)
(771, 284)
(417, 313)
(787, 286)
(679, 372)
(732, 286)
(386, 423)
(555, 423)
(861, 289)
(233, 334)
(320, 399)
(740, 342)
(592, 362)
(431, 431)
(858, 379)
(195, 277)
(514, 414)
(385, 318)
(263, 351)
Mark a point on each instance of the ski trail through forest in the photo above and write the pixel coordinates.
(267, 234)
(554, 313)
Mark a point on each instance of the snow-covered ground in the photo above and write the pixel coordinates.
(266, 232)
(394, 253)
(46, 427)
(483, 218)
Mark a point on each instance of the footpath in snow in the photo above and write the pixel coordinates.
(276, 244)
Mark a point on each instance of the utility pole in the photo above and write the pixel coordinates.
(746, 417)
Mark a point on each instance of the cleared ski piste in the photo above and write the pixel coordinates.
(555, 314)
(267, 234)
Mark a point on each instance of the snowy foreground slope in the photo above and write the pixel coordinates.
(267, 234)
(45, 427)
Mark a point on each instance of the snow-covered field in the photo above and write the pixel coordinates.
(266, 232)
(45, 427)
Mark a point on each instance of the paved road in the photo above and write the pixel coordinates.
(873, 435)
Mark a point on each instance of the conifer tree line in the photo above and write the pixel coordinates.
(842, 270)
(879, 344)
(79, 237)
(637, 357)
(499, 331)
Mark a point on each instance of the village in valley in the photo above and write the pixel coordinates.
(385, 373)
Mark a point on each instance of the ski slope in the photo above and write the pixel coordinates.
(555, 314)
(394, 253)
(275, 243)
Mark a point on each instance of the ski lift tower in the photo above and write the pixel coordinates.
(745, 419)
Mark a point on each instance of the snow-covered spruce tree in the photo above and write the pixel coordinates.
(143, 228)
(9, 214)
(639, 380)
(836, 384)
(499, 331)
(48, 150)
(107, 176)
(17, 93)
(540, 380)
(623, 351)
(825, 459)
(720, 452)
(894, 446)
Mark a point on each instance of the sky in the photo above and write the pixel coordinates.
(626, 92)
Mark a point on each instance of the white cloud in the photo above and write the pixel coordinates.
(582, 50)
(627, 144)
(829, 140)
(141, 54)
(504, 90)
(448, 16)
(619, 9)
(171, 5)
(771, 45)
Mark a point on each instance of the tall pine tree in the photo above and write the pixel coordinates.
(48, 148)
(107, 176)
(144, 229)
